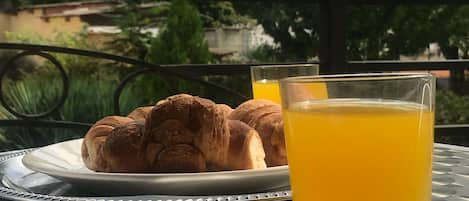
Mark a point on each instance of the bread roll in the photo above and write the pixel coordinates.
(92, 147)
(199, 119)
(225, 109)
(113, 121)
(266, 117)
(185, 133)
(93, 142)
(140, 113)
(122, 149)
(180, 158)
(246, 151)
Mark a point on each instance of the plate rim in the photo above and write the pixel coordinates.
(13, 194)
(63, 173)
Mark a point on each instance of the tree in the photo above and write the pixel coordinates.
(183, 39)
(292, 25)
(221, 14)
(373, 32)
(137, 25)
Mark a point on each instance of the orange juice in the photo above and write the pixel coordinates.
(263, 89)
(269, 89)
(359, 150)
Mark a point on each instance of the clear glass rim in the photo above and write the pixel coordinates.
(285, 65)
(355, 77)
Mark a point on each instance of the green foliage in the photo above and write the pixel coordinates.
(263, 53)
(451, 108)
(92, 84)
(293, 25)
(391, 31)
(36, 85)
(182, 41)
(221, 14)
(373, 31)
(136, 24)
(89, 100)
(72, 63)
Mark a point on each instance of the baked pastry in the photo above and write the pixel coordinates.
(195, 121)
(225, 109)
(246, 150)
(162, 144)
(266, 117)
(93, 142)
(180, 158)
(140, 113)
(121, 150)
(181, 133)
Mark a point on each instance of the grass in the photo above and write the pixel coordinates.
(89, 99)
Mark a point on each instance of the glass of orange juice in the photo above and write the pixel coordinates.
(265, 79)
(371, 139)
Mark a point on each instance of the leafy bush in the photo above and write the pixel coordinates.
(451, 108)
(182, 40)
(263, 53)
(87, 101)
(33, 86)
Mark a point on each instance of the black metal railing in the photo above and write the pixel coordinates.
(42, 119)
(193, 72)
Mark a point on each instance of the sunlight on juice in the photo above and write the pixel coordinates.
(344, 149)
(269, 89)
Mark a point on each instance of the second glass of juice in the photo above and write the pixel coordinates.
(370, 140)
(265, 79)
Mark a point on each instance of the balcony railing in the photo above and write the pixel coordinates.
(194, 71)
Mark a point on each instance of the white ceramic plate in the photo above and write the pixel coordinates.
(63, 161)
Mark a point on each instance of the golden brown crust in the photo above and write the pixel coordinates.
(140, 113)
(247, 107)
(246, 150)
(278, 141)
(152, 150)
(172, 132)
(174, 107)
(273, 138)
(185, 133)
(266, 117)
(94, 140)
(212, 133)
(180, 158)
(92, 147)
(113, 121)
(200, 123)
(225, 109)
(122, 149)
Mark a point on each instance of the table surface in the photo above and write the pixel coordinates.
(450, 183)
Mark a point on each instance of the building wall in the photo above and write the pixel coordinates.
(99, 40)
(32, 20)
(236, 40)
(4, 24)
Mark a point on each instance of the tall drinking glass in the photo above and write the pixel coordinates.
(371, 139)
(265, 79)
